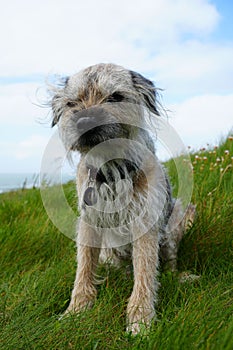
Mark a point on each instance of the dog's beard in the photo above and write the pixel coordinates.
(116, 170)
(99, 134)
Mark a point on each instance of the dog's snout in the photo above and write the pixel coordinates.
(90, 118)
(85, 123)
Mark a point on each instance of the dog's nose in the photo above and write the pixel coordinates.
(85, 123)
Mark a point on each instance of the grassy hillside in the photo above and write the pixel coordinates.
(38, 268)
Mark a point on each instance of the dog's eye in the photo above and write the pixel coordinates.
(71, 104)
(115, 97)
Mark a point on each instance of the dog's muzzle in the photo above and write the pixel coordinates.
(95, 125)
(84, 124)
(90, 118)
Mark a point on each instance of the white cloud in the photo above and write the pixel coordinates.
(67, 35)
(163, 39)
(33, 146)
(195, 67)
(165, 21)
(203, 119)
(20, 105)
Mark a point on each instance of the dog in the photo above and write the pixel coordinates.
(107, 113)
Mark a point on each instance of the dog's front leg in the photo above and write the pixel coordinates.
(140, 310)
(84, 291)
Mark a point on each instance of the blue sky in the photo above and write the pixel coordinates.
(184, 46)
(224, 31)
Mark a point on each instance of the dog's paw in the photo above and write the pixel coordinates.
(78, 304)
(139, 319)
(138, 328)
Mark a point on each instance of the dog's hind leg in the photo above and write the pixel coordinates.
(178, 223)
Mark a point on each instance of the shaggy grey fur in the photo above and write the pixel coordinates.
(108, 114)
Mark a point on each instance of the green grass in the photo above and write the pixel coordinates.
(38, 268)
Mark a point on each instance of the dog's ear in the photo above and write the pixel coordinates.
(147, 90)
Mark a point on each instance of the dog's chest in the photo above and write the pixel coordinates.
(108, 193)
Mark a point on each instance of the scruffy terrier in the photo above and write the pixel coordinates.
(108, 114)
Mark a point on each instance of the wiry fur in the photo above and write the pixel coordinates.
(105, 113)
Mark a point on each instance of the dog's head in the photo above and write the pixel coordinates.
(99, 103)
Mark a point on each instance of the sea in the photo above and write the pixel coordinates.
(12, 182)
